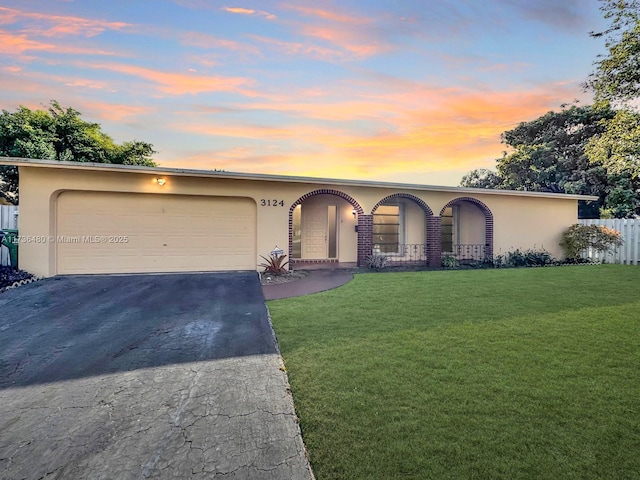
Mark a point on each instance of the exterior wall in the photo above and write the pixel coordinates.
(524, 223)
(519, 221)
(414, 223)
(471, 223)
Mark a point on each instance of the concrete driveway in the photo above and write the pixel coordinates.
(144, 376)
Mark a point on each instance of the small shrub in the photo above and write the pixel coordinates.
(536, 258)
(578, 238)
(516, 258)
(274, 264)
(498, 261)
(377, 261)
(523, 258)
(449, 261)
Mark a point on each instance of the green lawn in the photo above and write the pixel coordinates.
(484, 374)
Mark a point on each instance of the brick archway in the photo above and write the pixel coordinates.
(431, 225)
(363, 220)
(326, 191)
(488, 219)
(419, 201)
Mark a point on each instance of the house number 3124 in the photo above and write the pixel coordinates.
(268, 202)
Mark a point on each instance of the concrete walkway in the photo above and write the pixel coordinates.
(316, 281)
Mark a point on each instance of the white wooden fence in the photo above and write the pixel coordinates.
(629, 252)
(8, 219)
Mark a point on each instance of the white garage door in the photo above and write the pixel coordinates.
(102, 232)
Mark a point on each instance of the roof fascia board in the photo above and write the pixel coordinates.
(27, 162)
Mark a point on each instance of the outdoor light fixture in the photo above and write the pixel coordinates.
(160, 181)
(354, 213)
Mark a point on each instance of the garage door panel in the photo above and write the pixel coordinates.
(127, 233)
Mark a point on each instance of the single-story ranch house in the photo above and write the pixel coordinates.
(82, 218)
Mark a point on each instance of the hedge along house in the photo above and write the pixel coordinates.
(83, 218)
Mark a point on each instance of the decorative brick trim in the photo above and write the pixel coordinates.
(298, 261)
(488, 219)
(432, 237)
(419, 201)
(326, 191)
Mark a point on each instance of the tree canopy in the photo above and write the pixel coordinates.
(482, 178)
(555, 153)
(59, 133)
(617, 74)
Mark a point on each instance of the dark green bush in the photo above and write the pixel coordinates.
(523, 258)
(377, 261)
(10, 275)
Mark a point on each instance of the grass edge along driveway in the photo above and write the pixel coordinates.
(514, 373)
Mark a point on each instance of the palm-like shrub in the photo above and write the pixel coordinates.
(274, 264)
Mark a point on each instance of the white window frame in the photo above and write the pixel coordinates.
(401, 229)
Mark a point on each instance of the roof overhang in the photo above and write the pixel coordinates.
(106, 167)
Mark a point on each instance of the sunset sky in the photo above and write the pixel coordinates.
(413, 91)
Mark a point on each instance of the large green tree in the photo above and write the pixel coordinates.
(549, 154)
(59, 133)
(617, 73)
(618, 150)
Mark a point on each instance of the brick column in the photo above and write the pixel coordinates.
(290, 238)
(488, 229)
(365, 238)
(434, 241)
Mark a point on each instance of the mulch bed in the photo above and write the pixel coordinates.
(269, 279)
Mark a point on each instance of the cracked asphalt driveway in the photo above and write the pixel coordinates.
(144, 376)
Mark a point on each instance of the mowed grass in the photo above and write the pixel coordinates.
(484, 374)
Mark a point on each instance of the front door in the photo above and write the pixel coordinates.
(315, 222)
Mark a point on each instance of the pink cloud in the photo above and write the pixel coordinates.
(301, 49)
(265, 132)
(113, 111)
(12, 44)
(21, 89)
(205, 41)
(335, 111)
(249, 11)
(19, 80)
(328, 15)
(357, 43)
(85, 84)
(172, 83)
(355, 36)
(36, 89)
(59, 25)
